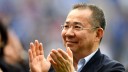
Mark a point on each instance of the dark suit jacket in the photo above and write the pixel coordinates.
(101, 63)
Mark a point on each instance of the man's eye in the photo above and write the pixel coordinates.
(66, 26)
(78, 27)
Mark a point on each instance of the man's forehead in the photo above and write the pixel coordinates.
(81, 12)
(79, 15)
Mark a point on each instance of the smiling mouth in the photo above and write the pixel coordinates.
(70, 42)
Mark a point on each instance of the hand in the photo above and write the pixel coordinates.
(62, 61)
(37, 61)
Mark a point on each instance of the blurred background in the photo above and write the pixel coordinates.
(41, 19)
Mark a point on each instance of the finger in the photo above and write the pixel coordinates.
(63, 53)
(41, 49)
(55, 56)
(37, 47)
(49, 58)
(54, 65)
(69, 52)
(33, 50)
(57, 67)
(52, 62)
(30, 55)
(58, 55)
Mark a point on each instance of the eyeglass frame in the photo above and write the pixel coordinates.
(82, 28)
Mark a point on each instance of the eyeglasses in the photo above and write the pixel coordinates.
(76, 27)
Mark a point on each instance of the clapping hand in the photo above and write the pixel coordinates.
(37, 61)
(62, 61)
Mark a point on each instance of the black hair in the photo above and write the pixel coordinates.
(98, 18)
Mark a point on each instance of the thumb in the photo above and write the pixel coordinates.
(49, 58)
(69, 52)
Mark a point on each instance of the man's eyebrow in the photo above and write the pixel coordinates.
(75, 23)
(67, 22)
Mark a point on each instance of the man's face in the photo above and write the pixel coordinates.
(78, 40)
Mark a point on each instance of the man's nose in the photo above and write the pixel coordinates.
(70, 32)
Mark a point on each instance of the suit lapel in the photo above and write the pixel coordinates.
(93, 63)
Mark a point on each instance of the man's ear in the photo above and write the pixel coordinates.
(99, 34)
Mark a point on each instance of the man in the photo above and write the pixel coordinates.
(82, 33)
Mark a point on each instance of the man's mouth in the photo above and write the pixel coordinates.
(71, 42)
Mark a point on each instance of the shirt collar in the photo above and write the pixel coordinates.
(87, 58)
(82, 62)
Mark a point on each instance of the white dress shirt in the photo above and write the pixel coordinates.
(82, 62)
